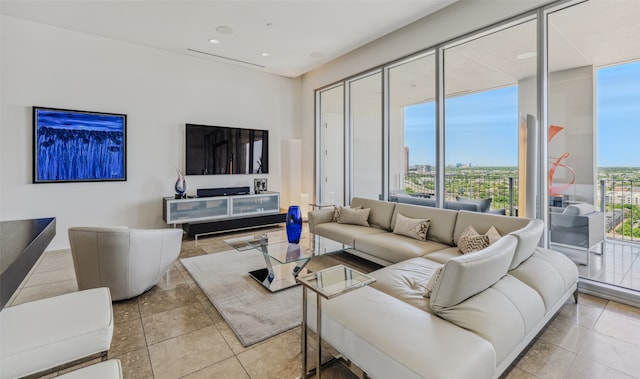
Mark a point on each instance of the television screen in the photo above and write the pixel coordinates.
(212, 150)
(78, 146)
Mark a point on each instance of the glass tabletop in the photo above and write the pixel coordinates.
(310, 245)
(276, 246)
(251, 241)
(335, 281)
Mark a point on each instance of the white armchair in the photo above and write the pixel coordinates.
(128, 261)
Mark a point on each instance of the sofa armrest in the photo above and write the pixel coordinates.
(319, 216)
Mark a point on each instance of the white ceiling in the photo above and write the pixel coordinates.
(299, 35)
(596, 33)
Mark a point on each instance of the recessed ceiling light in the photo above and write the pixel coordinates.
(316, 55)
(224, 30)
(214, 41)
(265, 54)
(527, 55)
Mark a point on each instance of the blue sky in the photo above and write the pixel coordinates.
(482, 128)
(619, 115)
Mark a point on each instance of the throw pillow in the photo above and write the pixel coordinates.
(471, 241)
(428, 289)
(411, 227)
(354, 216)
(493, 234)
(337, 210)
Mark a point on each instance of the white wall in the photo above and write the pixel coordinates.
(159, 91)
(453, 21)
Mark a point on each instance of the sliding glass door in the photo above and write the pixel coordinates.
(365, 125)
(490, 88)
(331, 146)
(412, 127)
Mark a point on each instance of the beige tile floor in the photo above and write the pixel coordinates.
(173, 331)
(619, 265)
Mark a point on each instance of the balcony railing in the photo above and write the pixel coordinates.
(502, 190)
(621, 201)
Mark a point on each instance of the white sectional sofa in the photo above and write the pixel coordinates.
(485, 307)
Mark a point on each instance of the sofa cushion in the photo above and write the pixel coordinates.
(559, 272)
(469, 274)
(528, 240)
(407, 280)
(471, 241)
(442, 256)
(503, 314)
(381, 211)
(354, 216)
(441, 227)
(415, 228)
(393, 339)
(393, 247)
(345, 233)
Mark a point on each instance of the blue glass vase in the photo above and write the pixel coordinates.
(294, 224)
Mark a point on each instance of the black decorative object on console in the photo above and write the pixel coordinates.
(226, 191)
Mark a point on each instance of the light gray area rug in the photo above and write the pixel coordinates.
(253, 313)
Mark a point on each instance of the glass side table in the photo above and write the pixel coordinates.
(327, 283)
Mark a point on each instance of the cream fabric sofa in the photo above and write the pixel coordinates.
(485, 307)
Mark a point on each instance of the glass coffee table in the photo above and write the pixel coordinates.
(284, 261)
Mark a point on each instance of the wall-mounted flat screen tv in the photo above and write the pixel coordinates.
(78, 146)
(221, 150)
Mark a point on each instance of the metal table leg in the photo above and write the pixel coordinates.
(319, 336)
(303, 332)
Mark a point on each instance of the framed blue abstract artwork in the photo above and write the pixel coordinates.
(78, 146)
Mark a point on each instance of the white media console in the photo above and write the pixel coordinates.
(208, 215)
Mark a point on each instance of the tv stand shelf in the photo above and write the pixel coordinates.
(208, 215)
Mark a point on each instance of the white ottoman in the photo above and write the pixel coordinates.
(110, 369)
(48, 333)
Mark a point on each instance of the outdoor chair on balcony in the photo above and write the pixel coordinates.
(461, 203)
(128, 261)
(578, 226)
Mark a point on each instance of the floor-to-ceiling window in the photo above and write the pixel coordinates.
(412, 133)
(365, 125)
(593, 108)
(490, 87)
(537, 114)
(331, 145)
